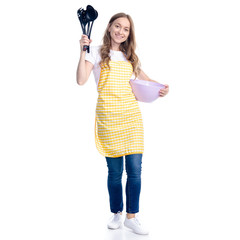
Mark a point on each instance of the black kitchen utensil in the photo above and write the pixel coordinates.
(86, 18)
(91, 15)
(82, 18)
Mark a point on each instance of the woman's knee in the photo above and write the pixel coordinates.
(115, 168)
(134, 165)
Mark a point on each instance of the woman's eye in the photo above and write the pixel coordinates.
(116, 26)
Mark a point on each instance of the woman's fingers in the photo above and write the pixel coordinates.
(85, 41)
(164, 91)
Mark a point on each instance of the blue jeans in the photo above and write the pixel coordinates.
(133, 165)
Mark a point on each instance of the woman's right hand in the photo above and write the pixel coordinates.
(84, 41)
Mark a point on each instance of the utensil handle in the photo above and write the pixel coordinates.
(90, 30)
(86, 48)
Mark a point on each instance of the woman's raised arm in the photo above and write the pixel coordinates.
(84, 67)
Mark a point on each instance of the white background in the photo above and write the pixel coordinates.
(52, 178)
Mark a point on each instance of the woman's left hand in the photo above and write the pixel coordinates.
(163, 92)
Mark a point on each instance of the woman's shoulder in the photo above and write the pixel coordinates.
(95, 48)
(96, 51)
(94, 54)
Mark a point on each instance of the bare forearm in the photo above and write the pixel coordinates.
(143, 76)
(84, 67)
(81, 69)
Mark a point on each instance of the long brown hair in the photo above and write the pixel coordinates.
(128, 47)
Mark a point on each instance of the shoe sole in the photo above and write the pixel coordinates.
(135, 231)
(115, 228)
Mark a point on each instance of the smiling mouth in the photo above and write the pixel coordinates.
(118, 36)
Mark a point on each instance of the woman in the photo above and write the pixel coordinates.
(118, 125)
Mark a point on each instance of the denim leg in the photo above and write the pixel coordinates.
(115, 170)
(133, 186)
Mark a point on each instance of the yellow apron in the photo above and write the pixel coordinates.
(118, 123)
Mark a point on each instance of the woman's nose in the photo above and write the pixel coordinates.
(121, 31)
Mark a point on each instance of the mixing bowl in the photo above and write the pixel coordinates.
(145, 91)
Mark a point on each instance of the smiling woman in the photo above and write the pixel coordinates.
(118, 122)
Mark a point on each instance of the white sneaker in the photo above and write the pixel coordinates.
(134, 224)
(115, 222)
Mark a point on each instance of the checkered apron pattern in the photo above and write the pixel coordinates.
(118, 124)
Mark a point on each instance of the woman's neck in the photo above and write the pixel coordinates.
(115, 46)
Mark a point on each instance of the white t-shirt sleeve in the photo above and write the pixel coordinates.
(93, 55)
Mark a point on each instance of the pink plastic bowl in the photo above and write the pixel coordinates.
(145, 91)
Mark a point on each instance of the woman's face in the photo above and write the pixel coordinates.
(119, 30)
